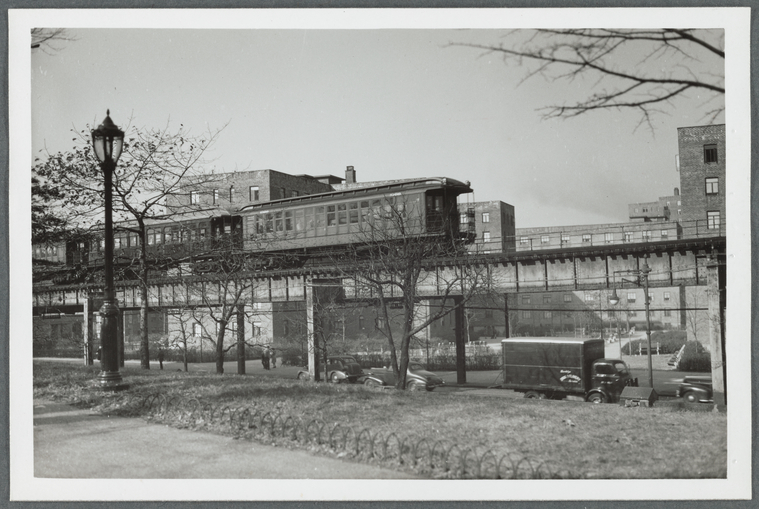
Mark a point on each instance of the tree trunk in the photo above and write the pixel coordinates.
(144, 337)
(240, 340)
(220, 348)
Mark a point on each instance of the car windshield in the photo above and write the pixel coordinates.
(349, 360)
(415, 366)
(621, 367)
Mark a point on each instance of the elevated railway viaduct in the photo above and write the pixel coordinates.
(679, 262)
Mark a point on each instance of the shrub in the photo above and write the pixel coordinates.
(695, 358)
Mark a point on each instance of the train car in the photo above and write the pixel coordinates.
(329, 220)
(182, 236)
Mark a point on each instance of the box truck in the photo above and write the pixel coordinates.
(559, 367)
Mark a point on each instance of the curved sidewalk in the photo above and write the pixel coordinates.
(70, 443)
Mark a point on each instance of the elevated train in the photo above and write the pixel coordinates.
(316, 223)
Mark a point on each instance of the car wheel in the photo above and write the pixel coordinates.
(596, 398)
(413, 385)
(533, 395)
(370, 382)
(690, 397)
(302, 376)
(430, 388)
(334, 378)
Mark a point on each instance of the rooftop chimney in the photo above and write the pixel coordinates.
(350, 175)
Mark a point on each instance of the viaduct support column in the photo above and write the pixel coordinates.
(241, 339)
(87, 331)
(715, 278)
(460, 340)
(313, 371)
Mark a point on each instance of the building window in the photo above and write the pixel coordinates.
(544, 239)
(608, 238)
(667, 296)
(526, 299)
(565, 238)
(664, 234)
(486, 217)
(646, 235)
(586, 237)
(231, 194)
(667, 312)
(650, 297)
(712, 185)
(486, 236)
(567, 297)
(282, 192)
(215, 196)
(253, 193)
(463, 219)
(589, 297)
(197, 329)
(380, 323)
(488, 313)
(294, 194)
(256, 329)
(712, 220)
(194, 197)
(547, 298)
(628, 236)
(526, 313)
(631, 297)
(632, 314)
(710, 153)
(524, 240)
(546, 314)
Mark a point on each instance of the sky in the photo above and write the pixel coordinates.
(392, 103)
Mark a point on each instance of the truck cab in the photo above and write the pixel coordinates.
(608, 378)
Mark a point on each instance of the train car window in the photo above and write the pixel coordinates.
(278, 222)
(299, 221)
(319, 217)
(353, 212)
(202, 234)
(331, 216)
(151, 237)
(227, 228)
(117, 243)
(288, 220)
(269, 223)
(309, 218)
(192, 235)
(342, 215)
(159, 236)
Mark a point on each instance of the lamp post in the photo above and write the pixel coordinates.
(108, 140)
(643, 273)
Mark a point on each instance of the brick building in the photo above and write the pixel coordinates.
(666, 208)
(494, 226)
(702, 164)
(560, 237)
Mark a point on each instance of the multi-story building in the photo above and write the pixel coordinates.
(494, 226)
(702, 165)
(666, 208)
(561, 237)
(231, 191)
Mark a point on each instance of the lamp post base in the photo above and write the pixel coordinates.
(111, 381)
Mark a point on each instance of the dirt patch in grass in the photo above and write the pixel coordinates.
(597, 441)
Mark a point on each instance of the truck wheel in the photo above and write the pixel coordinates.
(596, 397)
(534, 395)
(690, 397)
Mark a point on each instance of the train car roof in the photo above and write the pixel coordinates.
(368, 188)
(550, 340)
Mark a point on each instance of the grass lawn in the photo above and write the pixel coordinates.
(597, 441)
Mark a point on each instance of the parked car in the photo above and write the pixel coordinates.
(695, 389)
(339, 369)
(416, 377)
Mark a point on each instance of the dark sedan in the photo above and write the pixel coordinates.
(416, 377)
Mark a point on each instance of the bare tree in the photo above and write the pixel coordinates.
(154, 166)
(395, 262)
(49, 40)
(642, 70)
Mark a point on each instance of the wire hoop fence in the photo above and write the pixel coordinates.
(425, 456)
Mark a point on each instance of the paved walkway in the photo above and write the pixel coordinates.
(74, 443)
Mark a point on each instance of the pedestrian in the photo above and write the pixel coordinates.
(160, 357)
(265, 358)
(273, 358)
